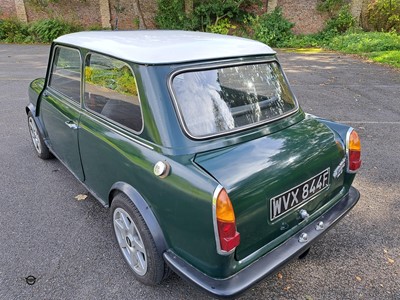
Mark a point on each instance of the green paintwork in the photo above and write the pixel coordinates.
(253, 165)
(258, 170)
(55, 111)
(35, 88)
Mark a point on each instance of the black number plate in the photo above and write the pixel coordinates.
(285, 202)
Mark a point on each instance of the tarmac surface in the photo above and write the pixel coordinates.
(68, 247)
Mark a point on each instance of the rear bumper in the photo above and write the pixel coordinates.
(267, 264)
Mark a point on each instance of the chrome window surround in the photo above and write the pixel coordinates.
(219, 65)
(50, 75)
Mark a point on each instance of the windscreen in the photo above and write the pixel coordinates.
(215, 101)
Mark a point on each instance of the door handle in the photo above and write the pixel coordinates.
(71, 124)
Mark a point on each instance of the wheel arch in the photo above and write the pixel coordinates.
(144, 209)
(31, 108)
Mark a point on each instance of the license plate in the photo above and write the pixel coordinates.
(285, 202)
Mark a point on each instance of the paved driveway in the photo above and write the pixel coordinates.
(68, 246)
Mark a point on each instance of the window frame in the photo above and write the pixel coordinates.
(227, 65)
(88, 109)
(50, 75)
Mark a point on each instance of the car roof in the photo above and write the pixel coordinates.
(165, 46)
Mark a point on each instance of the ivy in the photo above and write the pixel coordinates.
(384, 15)
(272, 28)
(330, 6)
(205, 15)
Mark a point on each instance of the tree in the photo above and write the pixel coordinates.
(138, 12)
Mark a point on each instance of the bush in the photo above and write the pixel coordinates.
(366, 42)
(171, 15)
(272, 28)
(384, 15)
(330, 6)
(207, 15)
(46, 31)
(342, 22)
(14, 31)
(222, 26)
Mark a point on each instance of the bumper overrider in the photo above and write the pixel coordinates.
(268, 264)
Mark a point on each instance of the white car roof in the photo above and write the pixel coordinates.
(165, 46)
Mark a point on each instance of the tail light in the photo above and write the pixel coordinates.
(353, 151)
(226, 236)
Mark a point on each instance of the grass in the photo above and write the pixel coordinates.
(382, 47)
(387, 57)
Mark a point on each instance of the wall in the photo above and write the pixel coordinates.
(136, 14)
(75, 11)
(8, 9)
(304, 15)
(139, 14)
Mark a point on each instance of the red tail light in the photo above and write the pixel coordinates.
(353, 148)
(226, 236)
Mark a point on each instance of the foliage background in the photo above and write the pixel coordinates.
(377, 40)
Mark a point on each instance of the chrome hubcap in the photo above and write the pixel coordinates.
(34, 134)
(130, 241)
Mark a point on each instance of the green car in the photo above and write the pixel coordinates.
(197, 144)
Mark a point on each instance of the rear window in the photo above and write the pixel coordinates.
(220, 100)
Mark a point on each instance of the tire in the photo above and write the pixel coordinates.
(136, 242)
(37, 139)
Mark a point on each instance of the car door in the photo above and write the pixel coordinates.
(111, 123)
(61, 109)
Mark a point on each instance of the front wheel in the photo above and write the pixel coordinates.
(136, 242)
(37, 139)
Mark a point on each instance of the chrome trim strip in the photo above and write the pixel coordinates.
(214, 213)
(226, 64)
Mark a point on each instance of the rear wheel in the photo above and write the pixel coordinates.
(136, 242)
(37, 139)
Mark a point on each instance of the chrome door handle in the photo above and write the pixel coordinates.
(71, 124)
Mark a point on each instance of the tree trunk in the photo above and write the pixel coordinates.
(188, 7)
(364, 15)
(105, 13)
(138, 12)
(272, 4)
(21, 11)
(355, 8)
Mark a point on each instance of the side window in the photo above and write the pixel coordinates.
(66, 73)
(110, 90)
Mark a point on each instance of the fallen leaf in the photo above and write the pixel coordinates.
(287, 288)
(81, 197)
(391, 261)
(358, 278)
(385, 251)
(279, 275)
